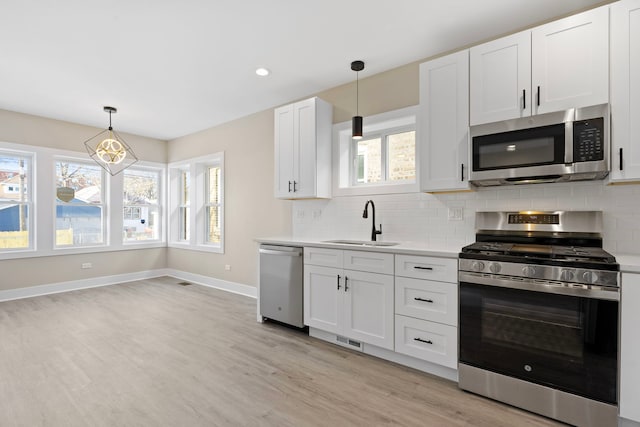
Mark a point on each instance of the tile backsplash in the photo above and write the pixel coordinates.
(431, 219)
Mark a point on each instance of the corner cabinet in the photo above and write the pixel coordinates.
(625, 91)
(303, 150)
(630, 347)
(350, 293)
(560, 65)
(443, 123)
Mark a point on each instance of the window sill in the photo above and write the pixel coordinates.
(199, 248)
(77, 251)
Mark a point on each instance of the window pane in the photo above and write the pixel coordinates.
(213, 195)
(369, 161)
(140, 187)
(14, 201)
(141, 213)
(185, 231)
(402, 156)
(213, 224)
(184, 187)
(79, 222)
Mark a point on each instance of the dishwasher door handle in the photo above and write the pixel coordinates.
(272, 252)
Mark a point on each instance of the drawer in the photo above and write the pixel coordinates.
(323, 257)
(373, 262)
(428, 341)
(430, 268)
(427, 300)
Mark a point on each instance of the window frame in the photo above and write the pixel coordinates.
(397, 121)
(30, 201)
(105, 199)
(383, 135)
(197, 168)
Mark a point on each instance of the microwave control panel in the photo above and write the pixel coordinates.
(588, 140)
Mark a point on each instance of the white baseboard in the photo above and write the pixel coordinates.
(236, 288)
(55, 288)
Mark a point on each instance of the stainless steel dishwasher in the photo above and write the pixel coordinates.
(281, 284)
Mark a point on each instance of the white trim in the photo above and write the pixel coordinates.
(342, 144)
(74, 285)
(212, 282)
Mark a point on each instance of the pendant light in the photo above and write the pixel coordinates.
(109, 149)
(356, 122)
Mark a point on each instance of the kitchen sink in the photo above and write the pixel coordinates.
(361, 242)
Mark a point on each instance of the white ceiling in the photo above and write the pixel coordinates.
(176, 67)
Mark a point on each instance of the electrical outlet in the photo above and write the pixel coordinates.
(456, 214)
(227, 267)
(300, 214)
(317, 213)
(86, 265)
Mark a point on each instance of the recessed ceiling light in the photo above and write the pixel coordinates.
(262, 72)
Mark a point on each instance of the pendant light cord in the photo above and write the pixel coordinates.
(357, 93)
(110, 127)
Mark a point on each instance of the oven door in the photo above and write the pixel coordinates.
(568, 343)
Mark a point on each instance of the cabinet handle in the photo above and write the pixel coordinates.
(424, 341)
(524, 99)
(289, 186)
(423, 300)
(621, 164)
(346, 283)
(294, 186)
(417, 267)
(538, 96)
(462, 172)
(338, 282)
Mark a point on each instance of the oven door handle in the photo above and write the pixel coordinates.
(561, 288)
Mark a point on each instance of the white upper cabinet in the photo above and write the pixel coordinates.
(554, 67)
(303, 150)
(501, 79)
(443, 123)
(625, 90)
(570, 66)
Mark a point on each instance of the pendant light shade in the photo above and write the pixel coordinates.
(356, 123)
(109, 149)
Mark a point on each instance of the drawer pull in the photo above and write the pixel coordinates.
(417, 267)
(423, 300)
(424, 341)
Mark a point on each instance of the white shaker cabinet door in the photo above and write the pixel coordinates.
(323, 298)
(369, 308)
(570, 62)
(625, 91)
(500, 79)
(284, 151)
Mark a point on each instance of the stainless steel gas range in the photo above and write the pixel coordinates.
(539, 315)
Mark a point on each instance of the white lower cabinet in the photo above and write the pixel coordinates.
(430, 341)
(426, 309)
(355, 304)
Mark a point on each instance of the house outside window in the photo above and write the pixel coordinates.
(15, 201)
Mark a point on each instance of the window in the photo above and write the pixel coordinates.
(80, 206)
(15, 201)
(196, 195)
(384, 161)
(141, 211)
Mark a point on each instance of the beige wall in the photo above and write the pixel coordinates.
(19, 273)
(251, 210)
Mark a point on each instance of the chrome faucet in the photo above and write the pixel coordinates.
(374, 232)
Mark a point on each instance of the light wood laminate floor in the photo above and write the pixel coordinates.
(154, 353)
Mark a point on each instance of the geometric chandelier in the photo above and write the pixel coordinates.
(109, 149)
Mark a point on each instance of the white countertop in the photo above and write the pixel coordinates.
(404, 248)
(629, 263)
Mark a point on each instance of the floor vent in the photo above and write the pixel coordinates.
(184, 283)
(347, 342)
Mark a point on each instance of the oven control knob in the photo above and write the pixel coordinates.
(529, 271)
(589, 277)
(566, 275)
(477, 266)
(494, 267)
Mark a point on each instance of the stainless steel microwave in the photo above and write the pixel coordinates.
(570, 145)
